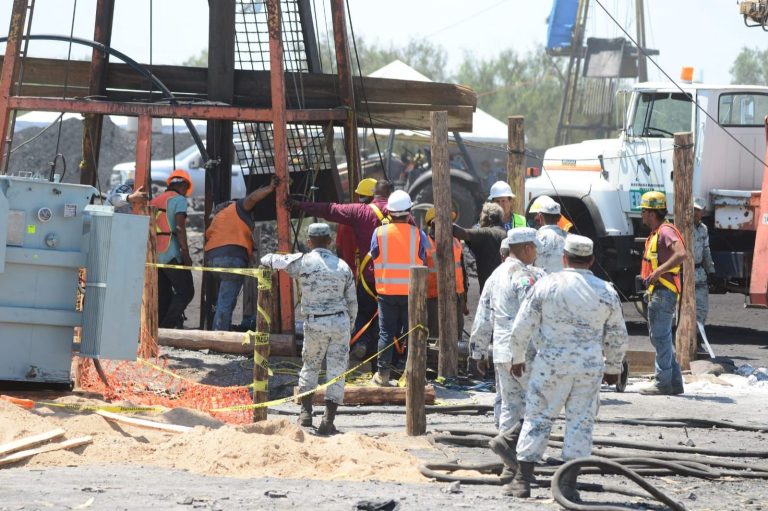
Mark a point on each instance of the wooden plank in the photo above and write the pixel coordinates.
(29, 441)
(516, 162)
(416, 365)
(223, 342)
(67, 444)
(640, 362)
(413, 116)
(143, 423)
(363, 396)
(685, 337)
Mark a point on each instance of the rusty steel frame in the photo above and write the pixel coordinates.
(9, 72)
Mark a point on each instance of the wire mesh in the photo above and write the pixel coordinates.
(254, 142)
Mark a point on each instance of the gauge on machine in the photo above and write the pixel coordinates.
(44, 214)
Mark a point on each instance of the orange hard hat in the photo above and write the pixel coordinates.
(180, 174)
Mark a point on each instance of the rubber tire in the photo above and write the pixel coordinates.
(464, 204)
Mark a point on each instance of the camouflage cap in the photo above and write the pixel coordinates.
(698, 203)
(578, 245)
(523, 235)
(319, 229)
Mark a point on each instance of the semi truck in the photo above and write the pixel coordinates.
(599, 183)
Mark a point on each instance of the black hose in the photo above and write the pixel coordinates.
(672, 448)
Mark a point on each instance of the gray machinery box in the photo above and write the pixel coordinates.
(52, 232)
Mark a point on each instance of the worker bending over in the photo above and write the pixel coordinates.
(329, 307)
(581, 335)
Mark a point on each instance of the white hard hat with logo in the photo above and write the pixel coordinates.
(500, 189)
(399, 201)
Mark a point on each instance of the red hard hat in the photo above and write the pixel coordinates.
(180, 174)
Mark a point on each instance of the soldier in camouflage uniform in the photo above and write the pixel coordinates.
(329, 307)
(702, 258)
(551, 236)
(511, 291)
(482, 327)
(582, 339)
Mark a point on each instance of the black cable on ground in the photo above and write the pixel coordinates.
(430, 409)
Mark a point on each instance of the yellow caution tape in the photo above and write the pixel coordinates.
(182, 378)
(264, 275)
(104, 408)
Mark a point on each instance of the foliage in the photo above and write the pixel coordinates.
(750, 67)
(199, 60)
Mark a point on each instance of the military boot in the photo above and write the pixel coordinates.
(326, 425)
(504, 446)
(568, 485)
(305, 415)
(520, 486)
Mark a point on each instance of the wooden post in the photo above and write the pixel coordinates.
(685, 339)
(280, 142)
(416, 366)
(148, 345)
(516, 161)
(448, 360)
(260, 343)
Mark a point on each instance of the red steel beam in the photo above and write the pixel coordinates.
(280, 141)
(143, 154)
(9, 72)
(347, 92)
(218, 112)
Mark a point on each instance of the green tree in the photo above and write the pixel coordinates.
(750, 67)
(199, 60)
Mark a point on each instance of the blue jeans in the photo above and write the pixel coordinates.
(661, 314)
(229, 289)
(393, 322)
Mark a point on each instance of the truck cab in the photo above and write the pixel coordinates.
(599, 183)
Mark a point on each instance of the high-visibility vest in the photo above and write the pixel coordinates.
(398, 251)
(431, 249)
(564, 224)
(515, 221)
(651, 260)
(227, 228)
(162, 226)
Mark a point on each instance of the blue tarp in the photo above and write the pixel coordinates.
(561, 22)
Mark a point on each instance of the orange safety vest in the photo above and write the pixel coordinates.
(432, 265)
(651, 260)
(227, 228)
(564, 224)
(398, 251)
(162, 226)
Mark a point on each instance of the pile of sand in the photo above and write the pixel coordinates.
(275, 448)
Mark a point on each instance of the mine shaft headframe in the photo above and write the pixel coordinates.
(755, 13)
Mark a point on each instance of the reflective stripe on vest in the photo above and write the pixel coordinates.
(432, 266)
(651, 260)
(227, 228)
(162, 225)
(398, 251)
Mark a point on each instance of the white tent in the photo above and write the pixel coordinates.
(485, 127)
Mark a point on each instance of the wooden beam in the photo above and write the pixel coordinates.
(236, 343)
(280, 148)
(354, 396)
(143, 423)
(67, 444)
(516, 161)
(448, 362)
(29, 441)
(685, 337)
(416, 365)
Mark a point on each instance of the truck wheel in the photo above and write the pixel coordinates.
(464, 204)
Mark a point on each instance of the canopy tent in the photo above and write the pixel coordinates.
(485, 127)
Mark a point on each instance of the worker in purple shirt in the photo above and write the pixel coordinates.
(364, 218)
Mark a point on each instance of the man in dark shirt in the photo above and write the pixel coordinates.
(485, 241)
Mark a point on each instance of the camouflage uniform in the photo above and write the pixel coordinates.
(550, 256)
(578, 318)
(512, 289)
(329, 306)
(702, 257)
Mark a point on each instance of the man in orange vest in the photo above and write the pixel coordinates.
(395, 247)
(664, 254)
(175, 286)
(229, 244)
(461, 278)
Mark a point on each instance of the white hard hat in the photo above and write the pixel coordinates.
(500, 189)
(399, 201)
(545, 204)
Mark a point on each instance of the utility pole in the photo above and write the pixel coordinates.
(642, 62)
(685, 337)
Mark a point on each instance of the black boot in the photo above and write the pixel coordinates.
(520, 486)
(504, 446)
(305, 416)
(568, 485)
(326, 425)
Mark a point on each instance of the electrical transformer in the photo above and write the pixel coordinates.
(53, 235)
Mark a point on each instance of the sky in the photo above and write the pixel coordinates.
(705, 34)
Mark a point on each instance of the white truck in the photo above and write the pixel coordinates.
(599, 182)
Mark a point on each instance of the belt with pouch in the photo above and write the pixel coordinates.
(315, 316)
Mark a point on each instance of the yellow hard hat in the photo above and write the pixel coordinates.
(429, 216)
(653, 200)
(365, 187)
